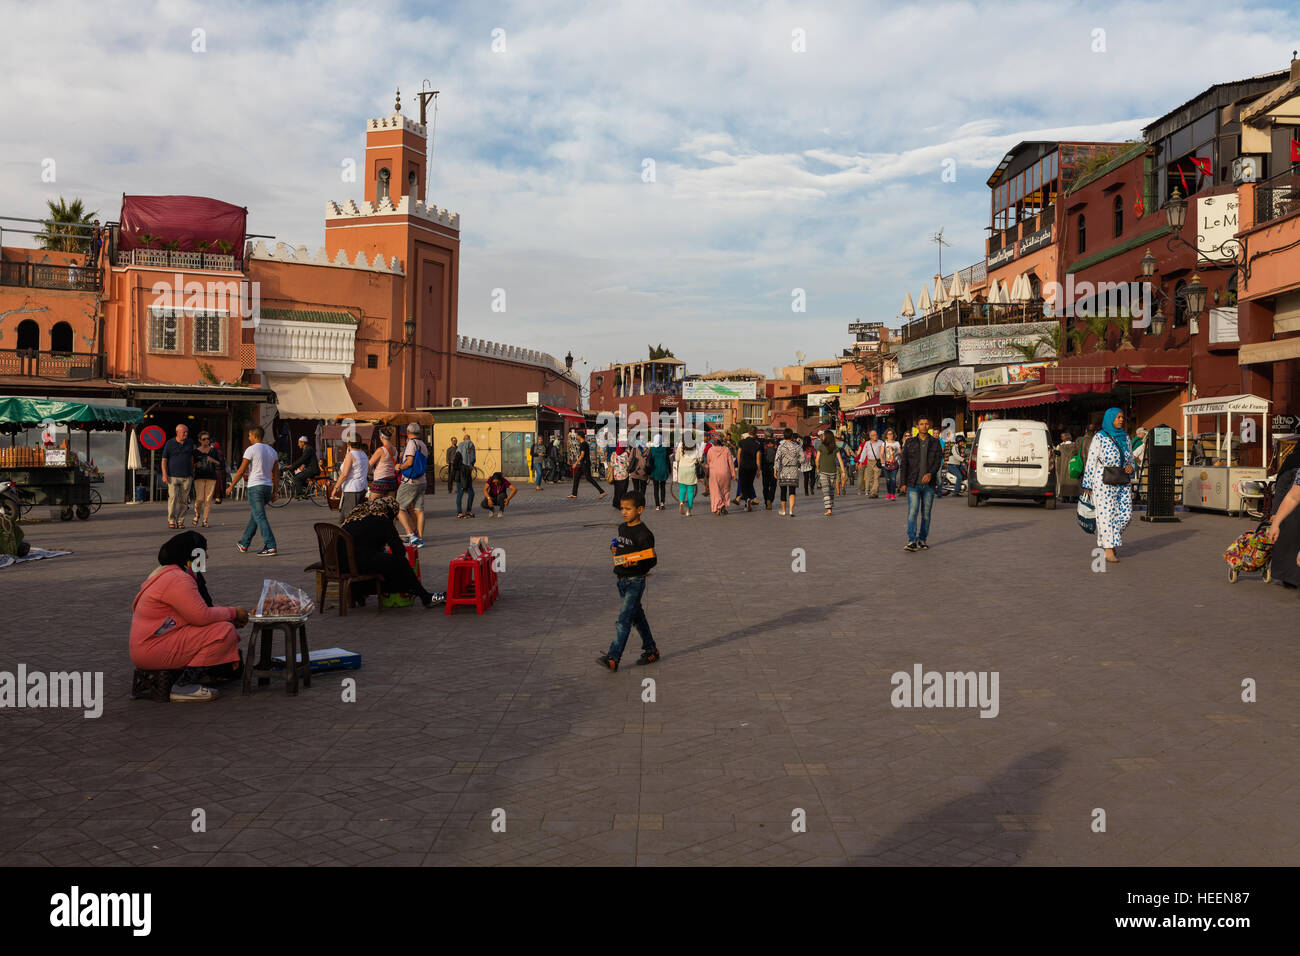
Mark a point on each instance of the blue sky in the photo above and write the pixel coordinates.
(775, 169)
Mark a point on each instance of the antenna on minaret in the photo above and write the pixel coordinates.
(427, 93)
(940, 241)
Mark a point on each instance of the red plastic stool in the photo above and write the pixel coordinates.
(467, 584)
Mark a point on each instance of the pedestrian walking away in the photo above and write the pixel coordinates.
(918, 467)
(828, 468)
(638, 467)
(633, 549)
(350, 486)
(689, 466)
(261, 465)
(178, 475)
(789, 460)
(808, 467)
(659, 471)
(749, 463)
(412, 485)
(582, 468)
(1108, 477)
(769, 445)
(871, 458)
(721, 468)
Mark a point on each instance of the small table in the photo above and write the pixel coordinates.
(297, 656)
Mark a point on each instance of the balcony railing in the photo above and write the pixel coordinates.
(973, 313)
(1277, 196)
(59, 365)
(162, 258)
(42, 275)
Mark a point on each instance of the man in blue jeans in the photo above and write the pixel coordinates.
(918, 471)
(262, 466)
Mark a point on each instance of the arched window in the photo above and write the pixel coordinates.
(1119, 216)
(1180, 305)
(410, 183)
(382, 192)
(1083, 234)
(29, 335)
(61, 337)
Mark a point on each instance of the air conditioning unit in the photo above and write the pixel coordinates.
(460, 403)
(1245, 169)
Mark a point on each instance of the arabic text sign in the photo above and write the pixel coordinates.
(718, 389)
(995, 344)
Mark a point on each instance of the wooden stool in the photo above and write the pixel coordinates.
(295, 644)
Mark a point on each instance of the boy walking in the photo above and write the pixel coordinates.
(634, 556)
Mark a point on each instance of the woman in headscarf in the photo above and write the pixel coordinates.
(721, 467)
(379, 550)
(659, 470)
(176, 627)
(1114, 502)
(1284, 526)
(685, 461)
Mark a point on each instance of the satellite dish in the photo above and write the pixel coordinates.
(799, 357)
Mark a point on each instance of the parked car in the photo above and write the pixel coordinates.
(1012, 458)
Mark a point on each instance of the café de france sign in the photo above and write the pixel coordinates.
(996, 344)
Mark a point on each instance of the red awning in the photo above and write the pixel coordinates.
(1019, 397)
(183, 219)
(565, 413)
(1153, 374)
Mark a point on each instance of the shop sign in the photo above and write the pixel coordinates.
(1216, 223)
(931, 350)
(1036, 240)
(1285, 424)
(716, 388)
(1223, 325)
(991, 377)
(1001, 257)
(958, 380)
(995, 344)
(816, 398)
(856, 327)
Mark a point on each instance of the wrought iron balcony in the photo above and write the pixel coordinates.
(43, 275)
(1277, 196)
(57, 365)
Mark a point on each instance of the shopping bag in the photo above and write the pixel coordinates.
(1086, 514)
(1075, 467)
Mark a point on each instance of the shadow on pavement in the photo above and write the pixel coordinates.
(994, 826)
(1158, 541)
(980, 532)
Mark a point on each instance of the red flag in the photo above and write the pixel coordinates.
(1183, 176)
(1202, 164)
(1295, 152)
(1139, 209)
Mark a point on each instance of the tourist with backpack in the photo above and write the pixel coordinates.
(411, 487)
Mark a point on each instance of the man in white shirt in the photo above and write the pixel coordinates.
(870, 455)
(262, 466)
(410, 492)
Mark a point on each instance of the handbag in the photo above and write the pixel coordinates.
(1086, 514)
(1075, 467)
(1115, 474)
(700, 472)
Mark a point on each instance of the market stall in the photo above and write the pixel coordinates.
(1215, 485)
(53, 473)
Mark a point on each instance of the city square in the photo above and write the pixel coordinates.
(1119, 690)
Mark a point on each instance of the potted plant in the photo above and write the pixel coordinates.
(148, 255)
(225, 260)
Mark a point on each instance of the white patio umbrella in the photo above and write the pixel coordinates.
(923, 301)
(1018, 288)
(909, 310)
(958, 288)
(941, 296)
(133, 453)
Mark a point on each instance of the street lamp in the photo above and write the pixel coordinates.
(1148, 265)
(409, 328)
(1176, 211)
(1158, 323)
(568, 361)
(1194, 294)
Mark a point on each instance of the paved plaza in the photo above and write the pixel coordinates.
(1119, 691)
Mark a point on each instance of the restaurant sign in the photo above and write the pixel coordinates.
(701, 390)
(996, 344)
(1001, 257)
(931, 350)
(1036, 240)
(1216, 224)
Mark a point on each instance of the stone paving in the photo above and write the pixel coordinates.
(1118, 690)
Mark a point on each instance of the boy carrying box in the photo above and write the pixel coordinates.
(634, 556)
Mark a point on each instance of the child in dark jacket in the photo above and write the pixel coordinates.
(634, 556)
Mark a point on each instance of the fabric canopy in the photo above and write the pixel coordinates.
(565, 413)
(22, 413)
(311, 396)
(185, 220)
(1254, 353)
(1019, 397)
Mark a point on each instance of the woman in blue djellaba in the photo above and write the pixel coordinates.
(1108, 476)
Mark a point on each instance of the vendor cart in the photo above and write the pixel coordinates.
(1214, 483)
(53, 477)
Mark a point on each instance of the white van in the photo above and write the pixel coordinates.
(1012, 458)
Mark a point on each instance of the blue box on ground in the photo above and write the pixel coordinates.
(329, 659)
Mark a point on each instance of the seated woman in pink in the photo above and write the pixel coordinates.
(175, 627)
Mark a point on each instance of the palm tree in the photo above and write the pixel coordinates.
(1055, 340)
(1098, 326)
(64, 214)
(1028, 351)
(658, 352)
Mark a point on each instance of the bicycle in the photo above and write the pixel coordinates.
(316, 489)
(444, 474)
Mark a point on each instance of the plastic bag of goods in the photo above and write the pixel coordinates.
(283, 600)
